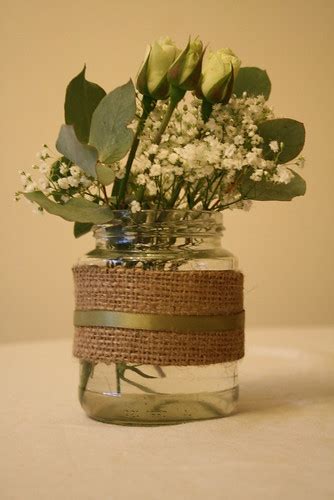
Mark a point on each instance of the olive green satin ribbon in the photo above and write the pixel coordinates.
(146, 321)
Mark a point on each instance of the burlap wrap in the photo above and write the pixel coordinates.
(158, 292)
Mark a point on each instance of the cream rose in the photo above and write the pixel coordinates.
(152, 77)
(186, 70)
(216, 73)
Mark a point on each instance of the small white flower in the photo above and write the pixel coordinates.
(172, 158)
(44, 153)
(230, 130)
(238, 140)
(65, 198)
(152, 150)
(63, 169)
(274, 146)
(63, 183)
(30, 187)
(251, 158)
(85, 182)
(283, 175)
(43, 184)
(75, 171)
(229, 151)
(300, 162)
(135, 206)
(24, 178)
(73, 181)
(256, 140)
(155, 170)
(162, 154)
(141, 179)
(44, 167)
(151, 188)
(257, 175)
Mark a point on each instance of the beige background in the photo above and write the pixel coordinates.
(285, 250)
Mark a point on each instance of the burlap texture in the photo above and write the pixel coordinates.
(158, 292)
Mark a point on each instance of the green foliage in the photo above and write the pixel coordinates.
(74, 210)
(122, 367)
(254, 81)
(82, 98)
(286, 130)
(109, 133)
(86, 372)
(206, 110)
(81, 228)
(271, 191)
(83, 155)
(105, 174)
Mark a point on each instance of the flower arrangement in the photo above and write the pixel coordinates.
(195, 132)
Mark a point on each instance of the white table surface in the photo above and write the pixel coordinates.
(279, 446)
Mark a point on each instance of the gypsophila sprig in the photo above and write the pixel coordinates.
(198, 133)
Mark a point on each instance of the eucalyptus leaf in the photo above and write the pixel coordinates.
(82, 98)
(271, 191)
(139, 372)
(74, 210)
(254, 81)
(105, 174)
(83, 155)
(87, 370)
(286, 130)
(109, 133)
(81, 228)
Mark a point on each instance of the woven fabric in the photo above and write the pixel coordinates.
(158, 292)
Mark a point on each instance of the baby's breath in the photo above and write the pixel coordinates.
(203, 163)
(196, 165)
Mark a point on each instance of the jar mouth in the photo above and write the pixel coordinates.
(151, 223)
(153, 216)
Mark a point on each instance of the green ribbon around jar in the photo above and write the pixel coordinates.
(164, 322)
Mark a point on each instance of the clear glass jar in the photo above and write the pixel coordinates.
(132, 394)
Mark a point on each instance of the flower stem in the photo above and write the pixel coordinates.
(171, 107)
(105, 194)
(176, 95)
(118, 378)
(120, 187)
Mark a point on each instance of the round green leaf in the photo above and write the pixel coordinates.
(109, 132)
(105, 174)
(286, 130)
(272, 191)
(254, 81)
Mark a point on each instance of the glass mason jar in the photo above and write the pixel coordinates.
(152, 394)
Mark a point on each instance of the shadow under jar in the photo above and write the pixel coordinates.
(159, 320)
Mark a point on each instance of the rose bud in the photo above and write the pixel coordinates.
(152, 78)
(219, 71)
(186, 70)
